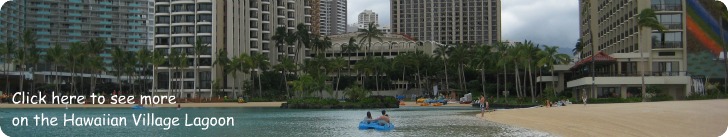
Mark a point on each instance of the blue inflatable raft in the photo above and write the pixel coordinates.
(137, 107)
(375, 125)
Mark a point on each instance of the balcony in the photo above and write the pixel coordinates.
(135, 11)
(667, 7)
(667, 45)
(74, 27)
(105, 9)
(43, 33)
(105, 16)
(74, 1)
(42, 19)
(74, 14)
(105, 22)
(43, 12)
(75, 8)
(105, 35)
(43, 26)
(74, 34)
(74, 21)
(630, 74)
(105, 29)
(105, 3)
(44, 6)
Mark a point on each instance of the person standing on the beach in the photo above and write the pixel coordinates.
(482, 105)
(583, 98)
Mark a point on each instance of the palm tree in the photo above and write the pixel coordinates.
(96, 65)
(337, 64)
(7, 51)
(33, 58)
(261, 63)
(28, 39)
(54, 58)
(648, 18)
(241, 63)
(285, 65)
(182, 64)
(200, 49)
(350, 48)
(71, 59)
(503, 62)
(304, 40)
(223, 62)
(441, 52)
(578, 47)
(483, 59)
(118, 59)
(368, 34)
(157, 59)
(527, 52)
(144, 57)
(550, 57)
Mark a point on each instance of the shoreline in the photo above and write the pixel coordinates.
(183, 105)
(670, 118)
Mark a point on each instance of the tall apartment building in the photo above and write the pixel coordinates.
(367, 17)
(448, 22)
(332, 17)
(621, 50)
(122, 23)
(232, 26)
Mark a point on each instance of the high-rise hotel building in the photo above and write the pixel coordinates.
(232, 26)
(332, 17)
(121, 23)
(448, 22)
(620, 50)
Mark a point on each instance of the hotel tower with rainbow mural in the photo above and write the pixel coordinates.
(688, 59)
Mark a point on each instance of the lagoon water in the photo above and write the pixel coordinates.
(273, 122)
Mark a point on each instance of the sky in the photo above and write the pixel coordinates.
(547, 22)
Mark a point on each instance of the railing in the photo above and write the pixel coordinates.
(630, 74)
(667, 7)
(667, 44)
(672, 25)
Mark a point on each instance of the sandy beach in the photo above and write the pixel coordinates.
(672, 118)
(227, 104)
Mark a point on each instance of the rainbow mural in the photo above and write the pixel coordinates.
(704, 43)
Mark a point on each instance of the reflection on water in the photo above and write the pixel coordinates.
(409, 121)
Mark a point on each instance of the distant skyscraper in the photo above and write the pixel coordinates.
(367, 17)
(448, 22)
(332, 17)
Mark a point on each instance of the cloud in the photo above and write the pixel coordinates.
(549, 22)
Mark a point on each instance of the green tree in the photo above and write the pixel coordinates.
(54, 58)
(144, 58)
(368, 34)
(200, 49)
(243, 64)
(7, 51)
(441, 53)
(304, 40)
(338, 64)
(648, 18)
(284, 66)
(28, 38)
(261, 64)
(157, 59)
(550, 58)
(223, 61)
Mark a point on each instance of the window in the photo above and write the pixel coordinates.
(190, 7)
(206, 39)
(162, 30)
(162, 9)
(204, 29)
(162, 19)
(204, 7)
(672, 40)
(163, 80)
(204, 18)
(666, 53)
(670, 21)
(671, 66)
(177, 8)
(161, 41)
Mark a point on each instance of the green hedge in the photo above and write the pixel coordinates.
(318, 103)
